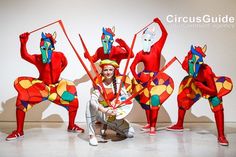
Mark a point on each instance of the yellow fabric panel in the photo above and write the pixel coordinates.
(227, 85)
(64, 102)
(36, 81)
(169, 89)
(25, 84)
(61, 88)
(146, 92)
(219, 85)
(52, 96)
(158, 89)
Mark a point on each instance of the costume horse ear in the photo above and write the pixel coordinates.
(192, 48)
(103, 30)
(153, 29)
(43, 35)
(204, 49)
(54, 35)
(113, 29)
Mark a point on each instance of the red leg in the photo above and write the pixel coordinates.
(154, 115)
(20, 118)
(72, 126)
(148, 115)
(219, 118)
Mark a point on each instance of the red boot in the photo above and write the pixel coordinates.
(219, 118)
(154, 115)
(72, 126)
(179, 125)
(20, 118)
(75, 129)
(15, 135)
(147, 126)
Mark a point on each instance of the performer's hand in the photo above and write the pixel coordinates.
(199, 85)
(121, 42)
(86, 55)
(24, 37)
(76, 82)
(115, 103)
(157, 20)
(110, 112)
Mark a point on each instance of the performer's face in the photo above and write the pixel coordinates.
(147, 41)
(194, 65)
(108, 71)
(46, 48)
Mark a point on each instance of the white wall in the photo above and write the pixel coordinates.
(88, 18)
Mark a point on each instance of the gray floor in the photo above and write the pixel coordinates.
(51, 139)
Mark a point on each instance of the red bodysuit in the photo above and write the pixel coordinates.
(32, 91)
(151, 60)
(152, 80)
(49, 73)
(117, 52)
(207, 85)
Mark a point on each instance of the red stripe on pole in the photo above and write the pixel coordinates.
(169, 63)
(44, 27)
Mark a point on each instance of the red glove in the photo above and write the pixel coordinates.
(121, 42)
(24, 37)
(86, 55)
(157, 20)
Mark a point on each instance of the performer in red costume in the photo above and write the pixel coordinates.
(31, 90)
(202, 82)
(158, 85)
(108, 51)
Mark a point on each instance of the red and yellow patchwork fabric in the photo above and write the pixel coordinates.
(32, 91)
(189, 93)
(156, 91)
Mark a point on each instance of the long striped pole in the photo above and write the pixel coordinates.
(44, 26)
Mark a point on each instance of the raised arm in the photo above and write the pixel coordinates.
(208, 87)
(125, 49)
(185, 62)
(64, 62)
(136, 60)
(160, 43)
(23, 50)
(95, 57)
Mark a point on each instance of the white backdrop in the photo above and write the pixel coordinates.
(88, 18)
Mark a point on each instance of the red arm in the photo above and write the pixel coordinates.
(63, 62)
(209, 86)
(124, 53)
(95, 57)
(185, 62)
(23, 50)
(160, 43)
(136, 60)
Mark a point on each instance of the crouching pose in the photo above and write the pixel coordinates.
(202, 82)
(98, 109)
(47, 86)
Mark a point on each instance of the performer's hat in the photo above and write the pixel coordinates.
(198, 50)
(109, 62)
